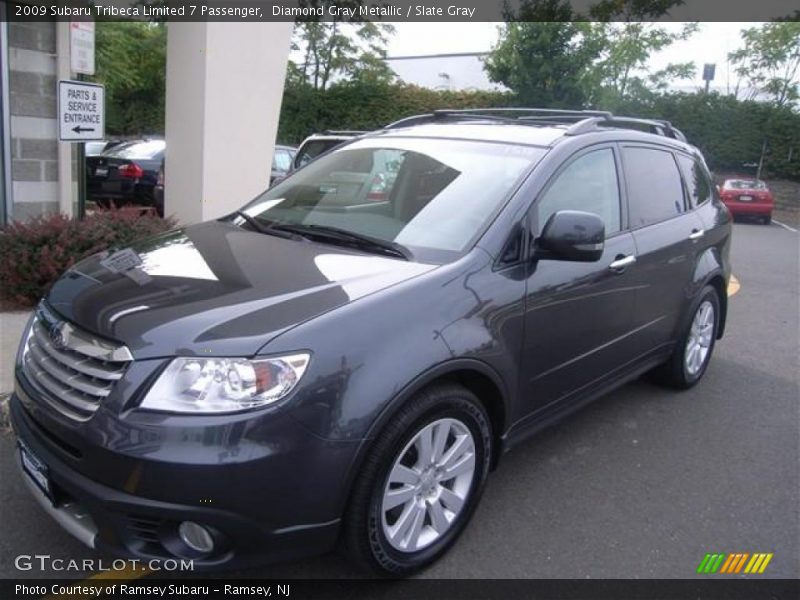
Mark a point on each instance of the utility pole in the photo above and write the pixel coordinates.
(761, 160)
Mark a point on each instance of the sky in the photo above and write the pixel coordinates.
(709, 45)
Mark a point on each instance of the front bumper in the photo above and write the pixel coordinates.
(126, 524)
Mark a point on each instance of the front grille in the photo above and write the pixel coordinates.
(72, 368)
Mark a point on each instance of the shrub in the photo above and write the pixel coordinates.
(35, 253)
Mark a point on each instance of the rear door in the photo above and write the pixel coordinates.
(668, 237)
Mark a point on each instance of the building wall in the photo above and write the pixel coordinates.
(32, 106)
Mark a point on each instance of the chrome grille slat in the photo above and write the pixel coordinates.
(86, 365)
(59, 390)
(69, 378)
(74, 370)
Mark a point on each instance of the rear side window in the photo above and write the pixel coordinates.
(697, 181)
(589, 184)
(655, 192)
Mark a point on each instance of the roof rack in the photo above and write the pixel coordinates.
(342, 132)
(656, 126)
(496, 114)
(578, 121)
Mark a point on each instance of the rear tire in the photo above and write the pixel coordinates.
(767, 220)
(420, 483)
(689, 360)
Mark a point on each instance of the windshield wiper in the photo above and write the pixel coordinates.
(268, 229)
(342, 236)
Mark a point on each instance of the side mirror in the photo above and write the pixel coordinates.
(572, 235)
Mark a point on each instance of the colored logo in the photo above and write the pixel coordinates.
(735, 562)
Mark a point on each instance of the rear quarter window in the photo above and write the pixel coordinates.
(697, 181)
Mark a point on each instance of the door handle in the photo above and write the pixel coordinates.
(697, 234)
(622, 262)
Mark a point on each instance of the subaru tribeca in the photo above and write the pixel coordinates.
(321, 368)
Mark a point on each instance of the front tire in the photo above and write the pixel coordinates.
(692, 353)
(419, 483)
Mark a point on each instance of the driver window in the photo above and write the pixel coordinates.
(589, 184)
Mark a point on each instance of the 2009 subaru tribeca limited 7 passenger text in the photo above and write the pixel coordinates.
(325, 367)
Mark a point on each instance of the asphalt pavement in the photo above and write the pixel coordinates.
(641, 484)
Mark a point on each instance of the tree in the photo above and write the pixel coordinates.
(353, 50)
(770, 61)
(543, 63)
(131, 63)
(621, 72)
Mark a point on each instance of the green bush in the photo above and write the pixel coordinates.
(368, 105)
(38, 251)
(730, 132)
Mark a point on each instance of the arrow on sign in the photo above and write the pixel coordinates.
(79, 129)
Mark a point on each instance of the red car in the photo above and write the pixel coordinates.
(748, 197)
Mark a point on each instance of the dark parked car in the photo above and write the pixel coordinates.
(281, 162)
(318, 144)
(126, 174)
(748, 197)
(308, 371)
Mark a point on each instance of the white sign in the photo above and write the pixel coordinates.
(81, 47)
(81, 111)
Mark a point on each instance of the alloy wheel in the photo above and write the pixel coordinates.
(428, 485)
(701, 335)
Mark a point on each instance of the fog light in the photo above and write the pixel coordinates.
(197, 537)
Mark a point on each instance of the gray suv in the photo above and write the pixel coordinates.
(323, 367)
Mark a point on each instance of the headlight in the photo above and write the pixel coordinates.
(216, 385)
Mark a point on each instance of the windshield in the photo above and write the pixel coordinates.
(432, 196)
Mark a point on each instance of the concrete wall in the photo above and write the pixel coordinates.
(32, 107)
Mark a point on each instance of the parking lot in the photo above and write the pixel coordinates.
(641, 484)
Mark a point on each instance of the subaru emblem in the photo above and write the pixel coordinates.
(57, 336)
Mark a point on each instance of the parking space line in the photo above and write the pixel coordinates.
(129, 573)
(733, 286)
(784, 225)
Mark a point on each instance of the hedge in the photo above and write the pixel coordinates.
(728, 131)
(368, 105)
(38, 251)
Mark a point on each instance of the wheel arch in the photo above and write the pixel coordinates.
(717, 281)
(710, 270)
(475, 375)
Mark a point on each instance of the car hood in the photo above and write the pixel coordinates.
(214, 289)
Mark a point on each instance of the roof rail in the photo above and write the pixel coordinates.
(496, 114)
(578, 121)
(655, 126)
(342, 132)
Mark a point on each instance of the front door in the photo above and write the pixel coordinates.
(578, 315)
